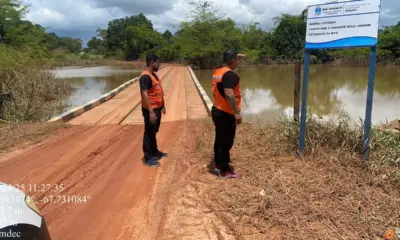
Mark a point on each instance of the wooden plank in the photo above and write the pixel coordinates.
(182, 98)
(116, 109)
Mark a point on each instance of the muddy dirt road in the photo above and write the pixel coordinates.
(89, 180)
(102, 164)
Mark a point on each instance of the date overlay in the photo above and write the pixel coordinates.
(40, 188)
(43, 194)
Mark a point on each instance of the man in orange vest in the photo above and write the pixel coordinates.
(152, 106)
(227, 102)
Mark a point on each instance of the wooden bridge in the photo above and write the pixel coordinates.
(183, 101)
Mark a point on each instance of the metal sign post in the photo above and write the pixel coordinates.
(296, 96)
(303, 116)
(370, 95)
(347, 24)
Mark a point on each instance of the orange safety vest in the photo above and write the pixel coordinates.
(156, 92)
(220, 101)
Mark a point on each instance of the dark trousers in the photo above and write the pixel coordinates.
(225, 130)
(150, 131)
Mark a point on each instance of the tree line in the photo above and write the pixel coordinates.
(199, 41)
(22, 34)
(202, 39)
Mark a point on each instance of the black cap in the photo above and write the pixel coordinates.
(151, 58)
(229, 55)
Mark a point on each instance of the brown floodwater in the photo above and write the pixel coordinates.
(93, 82)
(268, 91)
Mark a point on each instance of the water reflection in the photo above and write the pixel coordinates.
(268, 91)
(93, 82)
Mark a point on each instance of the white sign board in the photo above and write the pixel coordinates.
(343, 24)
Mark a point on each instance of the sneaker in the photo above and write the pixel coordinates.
(229, 174)
(152, 162)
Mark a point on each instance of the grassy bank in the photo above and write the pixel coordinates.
(86, 60)
(36, 94)
(328, 195)
(342, 135)
(73, 59)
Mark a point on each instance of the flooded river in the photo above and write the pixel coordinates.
(268, 91)
(93, 82)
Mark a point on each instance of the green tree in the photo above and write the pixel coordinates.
(11, 13)
(256, 42)
(96, 46)
(254, 36)
(389, 40)
(17, 32)
(203, 40)
(139, 39)
(71, 44)
(116, 30)
(22, 34)
(289, 35)
(205, 11)
(25, 33)
(167, 35)
(266, 48)
(102, 33)
(52, 41)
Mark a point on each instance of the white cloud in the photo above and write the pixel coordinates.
(137, 6)
(47, 15)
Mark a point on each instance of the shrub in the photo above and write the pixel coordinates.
(36, 94)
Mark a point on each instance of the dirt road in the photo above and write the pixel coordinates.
(89, 181)
(104, 165)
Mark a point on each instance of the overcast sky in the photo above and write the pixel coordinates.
(81, 18)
